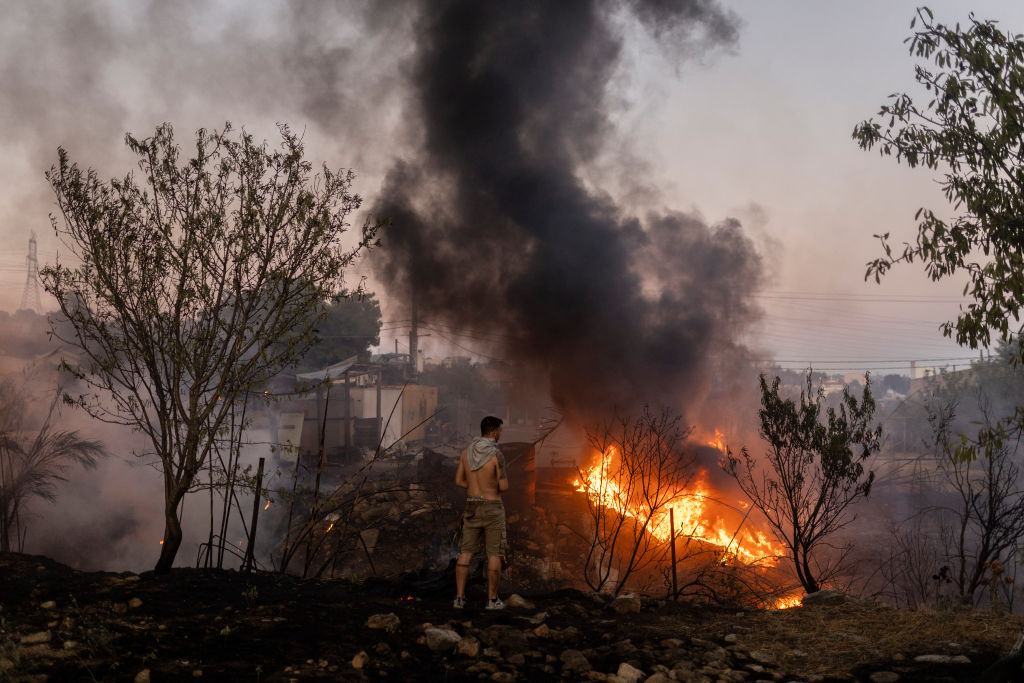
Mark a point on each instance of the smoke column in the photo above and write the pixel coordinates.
(494, 230)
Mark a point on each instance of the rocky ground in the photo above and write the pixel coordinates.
(58, 624)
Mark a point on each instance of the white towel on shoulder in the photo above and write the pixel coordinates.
(481, 450)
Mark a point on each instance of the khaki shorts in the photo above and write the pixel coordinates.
(483, 523)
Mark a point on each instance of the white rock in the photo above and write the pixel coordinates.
(629, 673)
(516, 600)
(442, 639)
(625, 604)
(389, 622)
(829, 596)
(36, 638)
(942, 659)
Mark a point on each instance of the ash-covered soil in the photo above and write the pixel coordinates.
(59, 624)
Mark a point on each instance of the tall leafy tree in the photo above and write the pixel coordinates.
(814, 468)
(971, 132)
(192, 282)
(350, 327)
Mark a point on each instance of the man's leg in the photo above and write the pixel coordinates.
(462, 574)
(493, 575)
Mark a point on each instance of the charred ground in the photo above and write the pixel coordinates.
(59, 624)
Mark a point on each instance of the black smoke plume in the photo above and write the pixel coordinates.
(495, 231)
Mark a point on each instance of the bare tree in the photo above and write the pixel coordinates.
(983, 523)
(812, 471)
(32, 460)
(193, 284)
(643, 472)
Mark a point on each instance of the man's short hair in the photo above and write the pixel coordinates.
(489, 424)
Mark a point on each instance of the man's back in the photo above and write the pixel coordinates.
(483, 482)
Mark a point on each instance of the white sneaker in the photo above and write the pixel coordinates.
(496, 603)
(459, 603)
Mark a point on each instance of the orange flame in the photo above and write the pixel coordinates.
(794, 600)
(267, 505)
(687, 509)
(718, 442)
(329, 528)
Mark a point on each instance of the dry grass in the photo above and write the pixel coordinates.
(834, 641)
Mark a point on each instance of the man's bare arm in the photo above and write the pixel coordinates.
(502, 473)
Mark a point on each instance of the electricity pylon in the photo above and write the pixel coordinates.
(30, 295)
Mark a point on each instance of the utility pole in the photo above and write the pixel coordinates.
(413, 340)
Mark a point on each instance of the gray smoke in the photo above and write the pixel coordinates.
(494, 230)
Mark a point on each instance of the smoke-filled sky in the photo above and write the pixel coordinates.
(679, 126)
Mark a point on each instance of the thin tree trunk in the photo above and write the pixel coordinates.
(209, 541)
(172, 526)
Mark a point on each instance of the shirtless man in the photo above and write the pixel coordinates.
(482, 473)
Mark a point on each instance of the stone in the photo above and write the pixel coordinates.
(567, 633)
(360, 660)
(731, 638)
(516, 659)
(516, 600)
(626, 604)
(142, 676)
(762, 656)
(942, 659)
(658, 677)
(827, 597)
(441, 639)
(503, 677)
(468, 646)
(49, 604)
(36, 638)
(884, 677)
(542, 631)
(507, 638)
(389, 622)
(629, 673)
(135, 603)
(575, 661)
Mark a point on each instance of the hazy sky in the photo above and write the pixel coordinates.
(760, 133)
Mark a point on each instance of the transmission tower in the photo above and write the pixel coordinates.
(30, 296)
